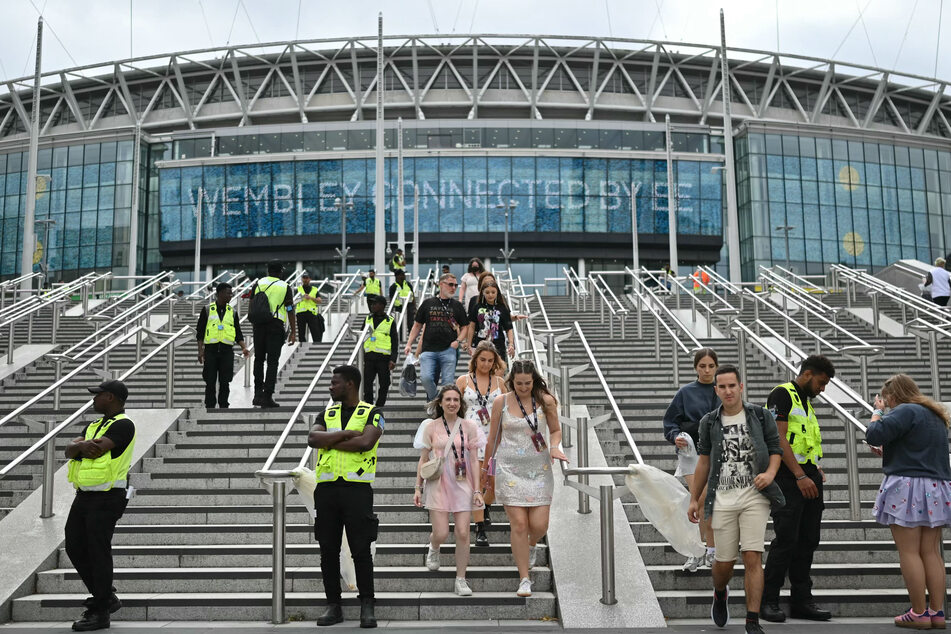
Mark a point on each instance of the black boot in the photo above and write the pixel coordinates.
(488, 520)
(482, 540)
(807, 609)
(367, 617)
(92, 620)
(114, 603)
(258, 398)
(333, 614)
(268, 402)
(770, 611)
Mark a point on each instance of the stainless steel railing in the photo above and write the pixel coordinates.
(923, 329)
(608, 299)
(727, 312)
(779, 283)
(576, 290)
(919, 307)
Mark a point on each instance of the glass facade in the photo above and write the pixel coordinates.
(457, 194)
(840, 201)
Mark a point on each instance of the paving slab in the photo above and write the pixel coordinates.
(22, 357)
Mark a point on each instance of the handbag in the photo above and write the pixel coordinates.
(432, 469)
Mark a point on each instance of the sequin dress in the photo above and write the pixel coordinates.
(523, 476)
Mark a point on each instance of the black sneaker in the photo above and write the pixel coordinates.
(268, 402)
(487, 520)
(719, 611)
(482, 540)
(754, 628)
(114, 603)
(92, 620)
(770, 611)
(257, 400)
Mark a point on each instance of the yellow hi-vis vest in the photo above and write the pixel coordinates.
(352, 466)
(276, 293)
(373, 286)
(218, 330)
(105, 472)
(399, 263)
(803, 431)
(379, 339)
(404, 292)
(308, 306)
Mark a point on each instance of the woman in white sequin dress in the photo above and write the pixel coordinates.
(524, 440)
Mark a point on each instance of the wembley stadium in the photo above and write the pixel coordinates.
(833, 162)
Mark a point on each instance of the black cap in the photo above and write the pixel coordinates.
(399, 272)
(375, 299)
(116, 388)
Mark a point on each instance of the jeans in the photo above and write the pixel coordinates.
(437, 365)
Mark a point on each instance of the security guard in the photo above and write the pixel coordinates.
(800, 477)
(99, 462)
(379, 350)
(347, 437)
(219, 328)
(308, 310)
(403, 292)
(270, 337)
(398, 263)
(371, 285)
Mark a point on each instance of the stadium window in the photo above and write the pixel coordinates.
(520, 137)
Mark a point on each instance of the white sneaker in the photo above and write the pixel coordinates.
(693, 563)
(432, 559)
(525, 588)
(708, 559)
(462, 588)
(532, 556)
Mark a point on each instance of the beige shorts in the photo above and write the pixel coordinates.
(739, 523)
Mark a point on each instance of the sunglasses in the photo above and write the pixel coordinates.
(453, 284)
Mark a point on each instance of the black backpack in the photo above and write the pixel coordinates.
(259, 310)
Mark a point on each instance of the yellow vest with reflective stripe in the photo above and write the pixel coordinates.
(404, 292)
(803, 434)
(373, 286)
(307, 306)
(379, 339)
(276, 293)
(220, 331)
(352, 466)
(399, 263)
(105, 472)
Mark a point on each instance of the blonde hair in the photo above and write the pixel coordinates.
(903, 389)
(498, 366)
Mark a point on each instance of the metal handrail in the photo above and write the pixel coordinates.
(203, 284)
(802, 281)
(802, 293)
(931, 333)
(544, 312)
(721, 281)
(17, 281)
(788, 297)
(114, 300)
(788, 320)
(58, 294)
(644, 292)
(899, 295)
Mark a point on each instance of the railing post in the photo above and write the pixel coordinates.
(171, 311)
(875, 316)
(85, 299)
(170, 376)
(564, 382)
(549, 351)
(657, 338)
(863, 368)
(849, 289)
(622, 318)
(56, 308)
(594, 298)
(640, 316)
(29, 327)
(58, 363)
(756, 308)
(607, 544)
(676, 349)
(247, 369)
(138, 346)
(709, 325)
(741, 351)
(12, 334)
(933, 352)
(278, 552)
(49, 467)
(852, 462)
(904, 320)
(584, 502)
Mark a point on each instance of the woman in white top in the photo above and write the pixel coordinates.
(469, 284)
(480, 387)
(940, 281)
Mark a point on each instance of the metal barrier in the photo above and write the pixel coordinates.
(603, 291)
(727, 312)
(770, 278)
(875, 287)
(576, 290)
(922, 329)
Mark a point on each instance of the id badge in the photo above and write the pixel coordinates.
(490, 466)
(483, 414)
(221, 327)
(539, 441)
(460, 470)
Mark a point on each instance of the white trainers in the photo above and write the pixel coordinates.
(708, 559)
(462, 588)
(532, 556)
(525, 588)
(693, 563)
(432, 559)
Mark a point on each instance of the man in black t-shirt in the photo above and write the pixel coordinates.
(445, 320)
(100, 501)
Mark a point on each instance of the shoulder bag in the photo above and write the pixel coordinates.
(432, 469)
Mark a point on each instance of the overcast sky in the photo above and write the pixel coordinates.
(81, 32)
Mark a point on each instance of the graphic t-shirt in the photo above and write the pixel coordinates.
(736, 472)
(492, 322)
(444, 319)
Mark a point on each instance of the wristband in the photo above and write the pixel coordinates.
(878, 412)
(802, 477)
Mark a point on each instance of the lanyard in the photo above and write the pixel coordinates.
(533, 425)
(462, 438)
(482, 398)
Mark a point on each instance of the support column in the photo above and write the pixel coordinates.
(29, 217)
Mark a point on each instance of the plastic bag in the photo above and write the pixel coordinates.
(664, 501)
(408, 378)
(687, 457)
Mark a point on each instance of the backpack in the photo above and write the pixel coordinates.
(259, 309)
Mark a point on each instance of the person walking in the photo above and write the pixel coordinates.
(372, 285)
(219, 328)
(469, 284)
(445, 320)
(347, 438)
(379, 350)
(307, 310)
(914, 500)
(98, 468)
(682, 429)
(398, 263)
(797, 525)
(402, 291)
(939, 279)
(449, 435)
(491, 320)
(269, 337)
(523, 480)
(480, 387)
(739, 457)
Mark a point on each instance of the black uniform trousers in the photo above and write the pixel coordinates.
(268, 341)
(307, 320)
(339, 506)
(218, 368)
(796, 526)
(89, 527)
(376, 365)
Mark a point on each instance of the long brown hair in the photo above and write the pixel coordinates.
(903, 389)
(484, 282)
(498, 366)
(434, 407)
(539, 386)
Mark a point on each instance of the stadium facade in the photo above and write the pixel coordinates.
(843, 163)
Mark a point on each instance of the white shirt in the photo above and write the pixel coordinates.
(940, 282)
